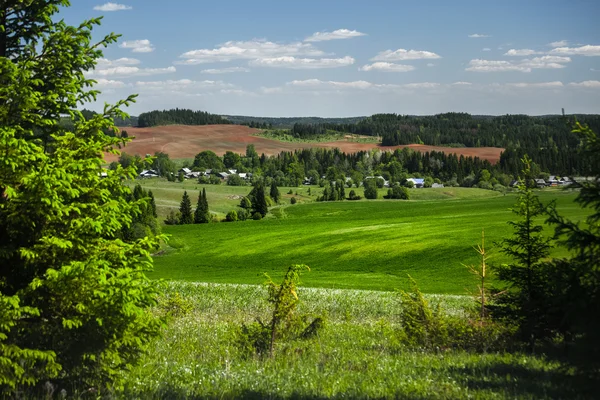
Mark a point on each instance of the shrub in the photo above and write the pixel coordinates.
(293, 200)
(231, 216)
(257, 216)
(370, 189)
(285, 325)
(242, 215)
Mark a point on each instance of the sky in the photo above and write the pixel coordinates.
(333, 58)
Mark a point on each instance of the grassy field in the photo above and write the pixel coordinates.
(357, 354)
(331, 136)
(360, 245)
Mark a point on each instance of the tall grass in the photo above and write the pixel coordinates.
(356, 355)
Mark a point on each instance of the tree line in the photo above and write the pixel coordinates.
(178, 116)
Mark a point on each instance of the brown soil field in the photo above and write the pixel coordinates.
(181, 141)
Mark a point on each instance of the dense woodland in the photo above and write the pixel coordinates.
(179, 116)
(546, 139)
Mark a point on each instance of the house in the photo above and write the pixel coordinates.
(418, 182)
(232, 171)
(148, 173)
(552, 181)
(223, 175)
(540, 183)
(565, 180)
(514, 183)
(185, 171)
(437, 185)
(307, 181)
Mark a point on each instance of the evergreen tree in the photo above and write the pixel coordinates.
(524, 299)
(152, 204)
(185, 210)
(74, 297)
(202, 214)
(274, 192)
(574, 282)
(259, 200)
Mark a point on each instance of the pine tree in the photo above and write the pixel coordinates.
(185, 210)
(274, 192)
(202, 213)
(259, 200)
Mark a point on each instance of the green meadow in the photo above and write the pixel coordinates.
(367, 244)
(358, 353)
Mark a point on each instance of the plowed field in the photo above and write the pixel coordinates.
(181, 141)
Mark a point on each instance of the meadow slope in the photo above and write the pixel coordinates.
(362, 245)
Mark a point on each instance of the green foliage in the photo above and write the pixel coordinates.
(173, 218)
(353, 196)
(162, 164)
(370, 187)
(74, 297)
(523, 299)
(274, 192)
(574, 282)
(175, 305)
(208, 160)
(179, 116)
(257, 216)
(231, 216)
(293, 200)
(235, 180)
(258, 199)
(285, 324)
(398, 192)
(202, 213)
(185, 210)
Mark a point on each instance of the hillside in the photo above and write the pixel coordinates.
(181, 141)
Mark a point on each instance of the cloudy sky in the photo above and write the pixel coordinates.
(347, 58)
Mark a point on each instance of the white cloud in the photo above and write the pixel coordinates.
(486, 49)
(387, 67)
(478, 35)
(430, 64)
(586, 84)
(109, 84)
(127, 71)
(540, 85)
(302, 63)
(103, 63)
(138, 46)
(587, 50)
(225, 70)
(337, 34)
(525, 65)
(248, 50)
(183, 86)
(403, 55)
(317, 86)
(112, 7)
(560, 43)
(522, 52)
(462, 84)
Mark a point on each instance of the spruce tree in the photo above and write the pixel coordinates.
(274, 192)
(259, 200)
(202, 214)
(523, 299)
(74, 297)
(185, 210)
(152, 204)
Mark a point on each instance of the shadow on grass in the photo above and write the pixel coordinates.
(177, 394)
(518, 381)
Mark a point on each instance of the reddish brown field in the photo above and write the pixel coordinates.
(180, 141)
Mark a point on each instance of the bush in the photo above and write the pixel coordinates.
(173, 218)
(352, 196)
(398, 192)
(231, 216)
(285, 325)
(293, 200)
(257, 216)
(242, 215)
(370, 189)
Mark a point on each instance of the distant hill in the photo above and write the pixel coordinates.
(288, 122)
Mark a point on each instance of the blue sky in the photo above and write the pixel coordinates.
(347, 58)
